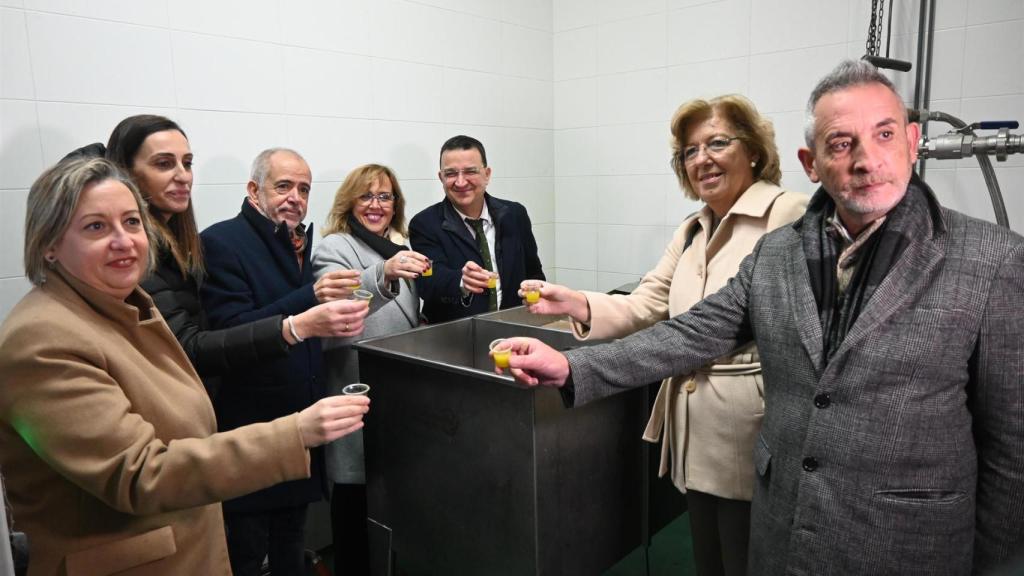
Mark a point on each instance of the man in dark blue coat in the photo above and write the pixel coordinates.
(258, 265)
(481, 247)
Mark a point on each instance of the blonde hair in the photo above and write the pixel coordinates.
(52, 202)
(356, 184)
(755, 132)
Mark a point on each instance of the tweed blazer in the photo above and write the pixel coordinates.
(903, 454)
(389, 313)
(108, 444)
(710, 417)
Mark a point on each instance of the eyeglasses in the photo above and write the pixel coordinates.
(383, 198)
(714, 147)
(452, 174)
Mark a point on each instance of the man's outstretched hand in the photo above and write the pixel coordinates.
(534, 363)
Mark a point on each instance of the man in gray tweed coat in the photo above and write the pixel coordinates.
(892, 340)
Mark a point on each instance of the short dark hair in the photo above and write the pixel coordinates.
(94, 150)
(463, 142)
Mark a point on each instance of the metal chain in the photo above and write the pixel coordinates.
(874, 43)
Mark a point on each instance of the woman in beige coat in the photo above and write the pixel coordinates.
(724, 154)
(108, 440)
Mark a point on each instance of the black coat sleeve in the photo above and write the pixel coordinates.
(212, 352)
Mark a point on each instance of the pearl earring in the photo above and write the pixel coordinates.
(753, 163)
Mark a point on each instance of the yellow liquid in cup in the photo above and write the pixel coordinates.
(492, 282)
(501, 358)
(364, 295)
(532, 296)
(428, 272)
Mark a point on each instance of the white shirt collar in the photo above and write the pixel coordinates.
(484, 215)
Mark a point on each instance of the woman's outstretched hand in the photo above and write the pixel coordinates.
(556, 299)
(331, 418)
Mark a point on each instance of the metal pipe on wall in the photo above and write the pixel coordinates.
(923, 76)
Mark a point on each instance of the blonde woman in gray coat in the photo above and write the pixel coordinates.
(365, 231)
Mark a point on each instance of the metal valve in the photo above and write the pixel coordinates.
(964, 142)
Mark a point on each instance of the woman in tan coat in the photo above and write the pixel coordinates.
(724, 154)
(108, 440)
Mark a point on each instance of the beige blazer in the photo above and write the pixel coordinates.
(108, 443)
(710, 418)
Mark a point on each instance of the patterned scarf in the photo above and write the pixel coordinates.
(298, 238)
(838, 310)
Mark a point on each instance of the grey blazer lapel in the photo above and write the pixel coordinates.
(805, 308)
(909, 276)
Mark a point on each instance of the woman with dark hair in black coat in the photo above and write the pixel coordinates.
(155, 153)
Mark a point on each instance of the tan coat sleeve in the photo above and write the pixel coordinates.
(613, 316)
(61, 399)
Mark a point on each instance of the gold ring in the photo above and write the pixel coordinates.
(346, 326)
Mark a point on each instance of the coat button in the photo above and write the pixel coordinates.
(691, 384)
(810, 464)
(823, 400)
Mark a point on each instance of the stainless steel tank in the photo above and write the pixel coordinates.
(470, 473)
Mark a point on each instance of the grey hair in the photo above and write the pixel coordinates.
(261, 165)
(847, 74)
(52, 202)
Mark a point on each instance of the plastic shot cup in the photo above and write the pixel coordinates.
(356, 389)
(361, 295)
(492, 281)
(531, 292)
(501, 351)
(429, 271)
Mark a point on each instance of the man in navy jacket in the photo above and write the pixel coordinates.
(448, 233)
(258, 265)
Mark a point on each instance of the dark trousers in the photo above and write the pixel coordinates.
(276, 534)
(720, 529)
(348, 529)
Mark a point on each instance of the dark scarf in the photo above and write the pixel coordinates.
(910, 218)
(381, 245)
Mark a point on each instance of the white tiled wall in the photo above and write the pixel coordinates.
(621, 69)
(571, 97)
(344, 83)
